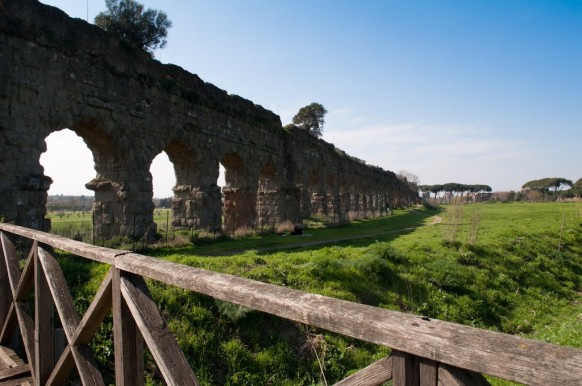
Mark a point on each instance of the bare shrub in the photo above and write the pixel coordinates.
(285, 227)
(243, 232)
(475, 224)
(452, 225)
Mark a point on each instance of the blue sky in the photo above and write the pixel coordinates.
(476, 92)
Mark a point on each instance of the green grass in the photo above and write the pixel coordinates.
(514, 268)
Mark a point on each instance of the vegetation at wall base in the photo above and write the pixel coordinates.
(514, 268)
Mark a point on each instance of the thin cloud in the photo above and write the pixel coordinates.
(433, 152)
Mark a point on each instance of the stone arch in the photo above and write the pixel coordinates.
(196, 202)
(114, 210)
(125, 107)
(110, 191)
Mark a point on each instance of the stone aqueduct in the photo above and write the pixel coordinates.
(57, 72)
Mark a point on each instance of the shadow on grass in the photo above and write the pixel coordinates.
(357, 233)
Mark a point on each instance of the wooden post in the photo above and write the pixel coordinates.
(5, 289)
(405, 369)
(43, 326)
(428, 372)
(128, 342)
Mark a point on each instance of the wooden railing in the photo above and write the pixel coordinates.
(424, 352)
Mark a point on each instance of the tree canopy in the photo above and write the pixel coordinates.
(554, 183)
(128, 20)
(453, 188)
(311, 118)
(548, 186)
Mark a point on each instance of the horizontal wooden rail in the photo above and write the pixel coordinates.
(480, 351)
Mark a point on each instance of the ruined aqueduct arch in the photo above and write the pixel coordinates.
(57, 72)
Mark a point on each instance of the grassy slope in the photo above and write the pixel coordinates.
(495, 266)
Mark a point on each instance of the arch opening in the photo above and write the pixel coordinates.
(68, 165)
(163, 179)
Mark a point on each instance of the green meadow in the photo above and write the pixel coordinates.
(514, 268)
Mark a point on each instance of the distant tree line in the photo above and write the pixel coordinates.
(61, 202)
(552, 189)
(454, 191)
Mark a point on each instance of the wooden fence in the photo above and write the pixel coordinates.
(424, 352)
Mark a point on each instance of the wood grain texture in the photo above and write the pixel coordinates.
(10, 261)
(10, 323)
(92, 252)
(97, 311)
(405, 369)
(26, 325)
(428, 372)
(162, 344)
(505, 356)
(5, 290)
(452, 376)
(480, 351)
(13, 372)
(9, 358)
(24, 381)
(70, 320)
(26, 280)
(59, 291)
(63, 368)
(126, 339)
(44, 334)
(24, 287)
(375, 374)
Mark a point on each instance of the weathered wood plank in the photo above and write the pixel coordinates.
(27, 332)
(59, 289)
(87, 366)
(10, 261)
(63, 369)
(24, 287)
(88, 372)
(69, 318)
(9, 326)
(26, 277)
(92, 252)
(8, 357)
(162, 344)
(372, 375)
(428, 372)
(97, 311)
(127, 341)
(505, 356)
(99, 308)
(452, 376)
(13, 372)
(44, 334)
(24, 381)
(5, 290)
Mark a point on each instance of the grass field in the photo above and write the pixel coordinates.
(514, 268)
(70, 224)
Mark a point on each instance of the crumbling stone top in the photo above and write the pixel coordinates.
(50, 27)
